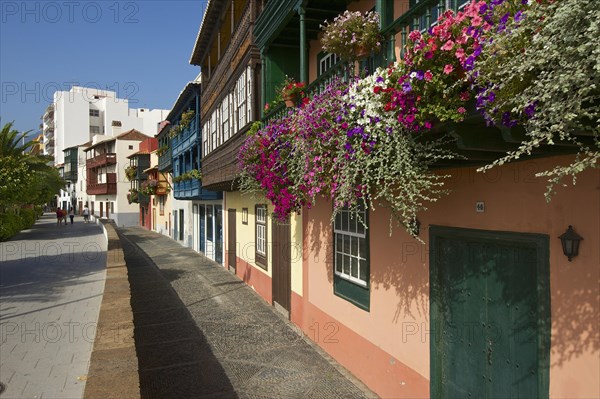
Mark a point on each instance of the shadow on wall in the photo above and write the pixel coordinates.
(575, 302)
(575, 311)
(391, 271)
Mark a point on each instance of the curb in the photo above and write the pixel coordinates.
(113, 371)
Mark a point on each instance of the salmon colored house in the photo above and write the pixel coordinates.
(139, 163)
(488, 306)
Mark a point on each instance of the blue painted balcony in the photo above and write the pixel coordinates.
(186, 139)
(192, 190)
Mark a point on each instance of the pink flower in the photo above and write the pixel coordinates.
(461, 110)
(428, 76)
(448, 45)
(414, 35)
(448, 68)
(476, 20)
(460, 54)
(464, 96)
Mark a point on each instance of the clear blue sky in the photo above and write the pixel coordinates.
(140, 49)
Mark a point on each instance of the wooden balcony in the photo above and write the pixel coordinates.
(110, 187)
(102, 160)
(186, 139)
(193, 189)
(220, 167)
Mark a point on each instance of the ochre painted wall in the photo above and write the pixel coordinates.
(247, 269)
(388, 347)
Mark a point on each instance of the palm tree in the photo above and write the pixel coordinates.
(10, 139)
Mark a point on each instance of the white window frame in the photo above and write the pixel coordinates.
(351, 246)
(261, 229)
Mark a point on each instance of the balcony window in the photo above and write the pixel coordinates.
(225, 127)
(94, 112)
(95, 129)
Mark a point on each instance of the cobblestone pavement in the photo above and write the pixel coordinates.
(202, 333)
(51, 285)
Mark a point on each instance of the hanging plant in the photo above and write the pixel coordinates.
(184, 123)
(131, 172)
(352, 35)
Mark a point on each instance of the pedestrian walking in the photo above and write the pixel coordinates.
(58, 216)
(71, 215)
(86, 214)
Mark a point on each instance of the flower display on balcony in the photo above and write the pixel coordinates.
(352, 35)
(184, 123)
(162, 150)
(189, 175)
(149, 187)
(292, 91)
(362, 144)
(133, 196)
(131, 172)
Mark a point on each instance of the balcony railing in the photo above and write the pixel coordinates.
(71, 176)
(165, 161)
(192, 189)
(317, 86)
(110, 187)
(102, 160)
(186, 139)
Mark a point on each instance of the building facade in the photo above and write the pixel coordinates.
(107, 185)
(484, 305)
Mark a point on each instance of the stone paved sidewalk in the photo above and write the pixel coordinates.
(51, 284)
(200, 332)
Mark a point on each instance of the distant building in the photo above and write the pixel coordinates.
(75, 116)
(107, 185)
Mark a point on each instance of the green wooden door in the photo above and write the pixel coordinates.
(490, 314)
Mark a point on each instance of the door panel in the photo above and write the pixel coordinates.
(489, 293)
(219, 234)
(281, 247)
(231, 240)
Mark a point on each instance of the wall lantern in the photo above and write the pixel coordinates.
(244, 215)
(570, 243)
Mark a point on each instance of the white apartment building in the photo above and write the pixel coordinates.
(77, 115)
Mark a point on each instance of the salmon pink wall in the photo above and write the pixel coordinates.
(397, 324)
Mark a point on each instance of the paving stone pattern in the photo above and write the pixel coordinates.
(201, 332)
(51, 284)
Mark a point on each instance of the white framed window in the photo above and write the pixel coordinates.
(249, 94)
(225, 127)
(241, 100)
(261, 235)
(351, 247)
(213, 131)
(205, 137)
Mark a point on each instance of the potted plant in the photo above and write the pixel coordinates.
(352, 35)
(292, 91)
(130, 172)
(133, 196)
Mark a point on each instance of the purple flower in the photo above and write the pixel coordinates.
(529, 110)
(491, 97)
(429, 55)
(519, 16)
(483, 9)
(420, 75)
(338, 119)
(468, 65)
(406, 87)
(379, 79)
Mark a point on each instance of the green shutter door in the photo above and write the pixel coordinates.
(489, 293)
